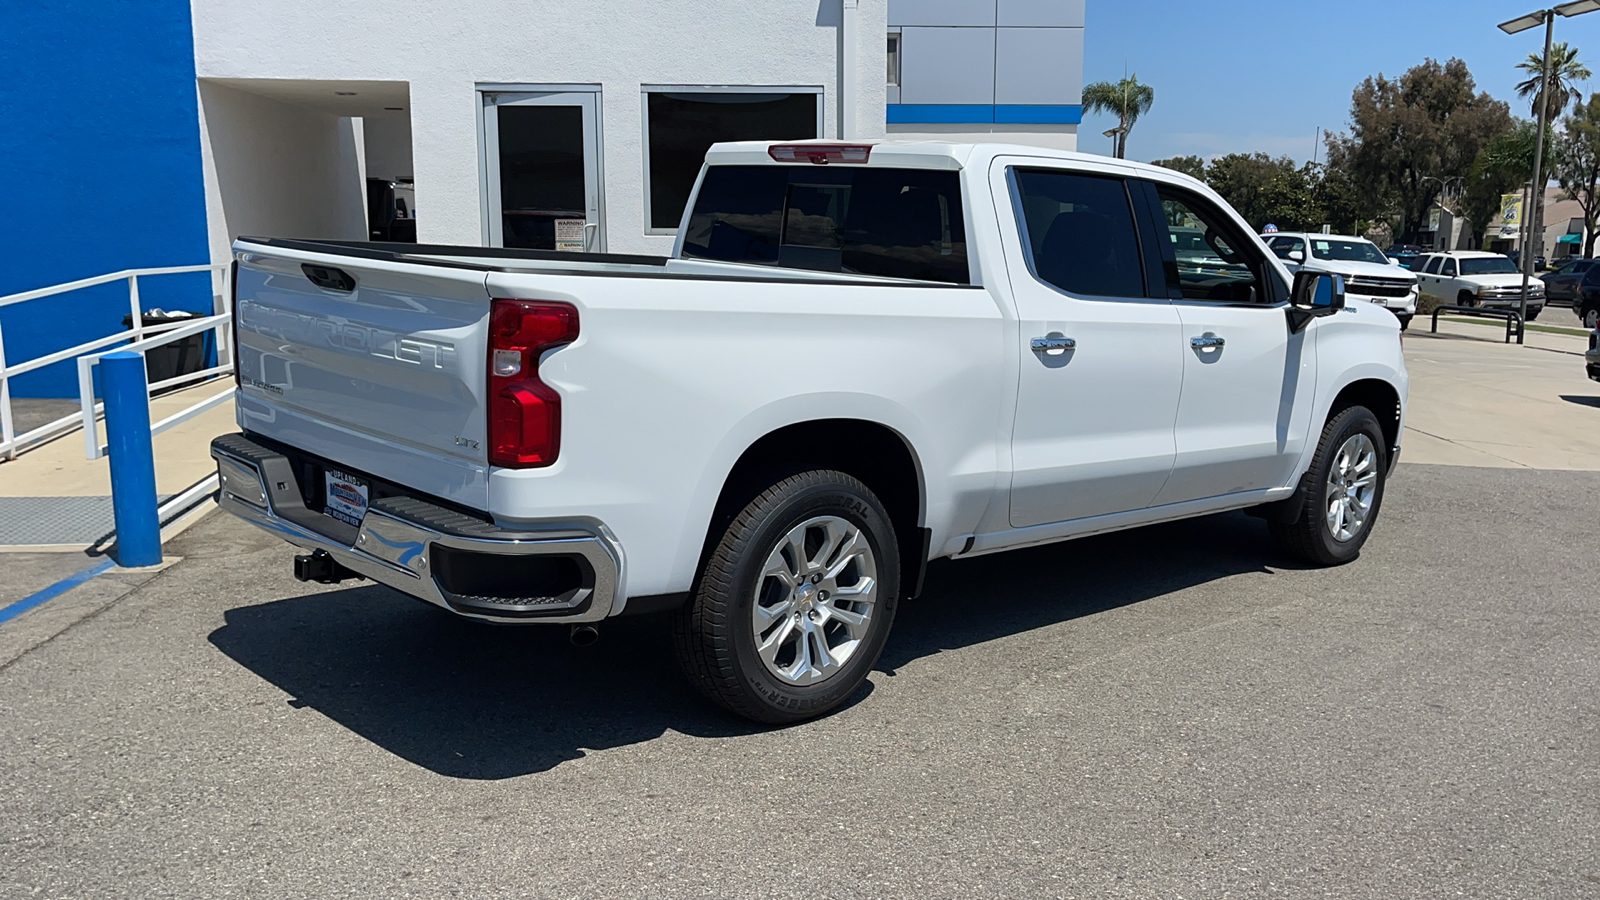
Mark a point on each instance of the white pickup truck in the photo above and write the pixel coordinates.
(858, 358)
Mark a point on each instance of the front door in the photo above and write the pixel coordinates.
(542, 170)
(1101, 367)
(1247, 382)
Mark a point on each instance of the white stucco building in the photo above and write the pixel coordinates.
(580, 125)
(152, 133)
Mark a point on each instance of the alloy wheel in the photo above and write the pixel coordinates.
(814, 600)
(1352, 486)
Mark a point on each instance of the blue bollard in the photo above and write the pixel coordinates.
(133, 464)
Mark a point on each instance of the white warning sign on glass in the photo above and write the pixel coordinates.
(569, 235)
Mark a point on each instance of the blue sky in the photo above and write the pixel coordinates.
(1233, 76)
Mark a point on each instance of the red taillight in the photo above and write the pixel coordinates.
(233, 321)
(821, 154)
(524, 413)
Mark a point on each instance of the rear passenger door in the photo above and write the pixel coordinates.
(1101, 352)
(1248, 382)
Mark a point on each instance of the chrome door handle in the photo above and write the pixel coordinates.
(1053, 346)
(1207, 342)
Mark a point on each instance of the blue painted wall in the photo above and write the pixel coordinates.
(100, 155)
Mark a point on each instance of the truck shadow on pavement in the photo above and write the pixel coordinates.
(474, 701)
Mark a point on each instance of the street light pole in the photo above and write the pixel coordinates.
(1547, 18)
(1536, 193)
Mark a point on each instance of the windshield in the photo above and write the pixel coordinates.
(1488, 265)
(1348, 251)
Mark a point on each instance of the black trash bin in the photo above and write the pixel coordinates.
(179, 357)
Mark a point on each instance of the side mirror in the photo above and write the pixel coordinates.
(1296, 255)
(1315, 294)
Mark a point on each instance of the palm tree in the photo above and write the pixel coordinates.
(1564, 70)
(1127, 98)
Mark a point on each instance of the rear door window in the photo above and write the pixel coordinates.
(1080, 232)
(896, 223)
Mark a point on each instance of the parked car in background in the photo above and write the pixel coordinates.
(1591, 360)
(1561, 283)
(1368, 274)
(1478, 278)
(859, 357)
(1588, 299)
(1405, 254)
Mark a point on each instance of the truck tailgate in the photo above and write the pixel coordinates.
(379, 368)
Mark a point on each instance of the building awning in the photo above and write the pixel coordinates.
(1570, 239)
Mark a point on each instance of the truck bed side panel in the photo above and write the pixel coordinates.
(671, 380)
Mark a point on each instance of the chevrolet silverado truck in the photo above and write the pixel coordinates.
(1477, 278)
(858, 358)
(1369, 276)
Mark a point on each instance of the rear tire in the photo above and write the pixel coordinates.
(1591, 316)
(795, 601)
(1342, 491)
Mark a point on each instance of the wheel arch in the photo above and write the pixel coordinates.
(1379, 396)
(880, 456)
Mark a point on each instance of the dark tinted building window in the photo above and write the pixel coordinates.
(897, 223)
(683, 126)
(1081, 231)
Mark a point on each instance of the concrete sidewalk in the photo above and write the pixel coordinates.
(1493, 331)
(1478, 402)
(52, 497)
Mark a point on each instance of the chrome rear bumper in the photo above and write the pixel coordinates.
(402, 542)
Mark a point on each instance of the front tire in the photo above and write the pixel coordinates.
(795, 601)
(1533, 313)
(1342, 491)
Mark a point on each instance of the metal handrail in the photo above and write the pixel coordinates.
(1513, 319)
(93, 449)
(12, 443)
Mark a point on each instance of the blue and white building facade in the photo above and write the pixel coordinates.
(153, 133)
(1003, 70)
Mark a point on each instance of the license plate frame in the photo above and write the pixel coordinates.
(345, 497)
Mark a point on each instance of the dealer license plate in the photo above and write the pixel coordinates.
(346, 497)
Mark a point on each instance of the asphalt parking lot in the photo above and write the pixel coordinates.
(1170, 712)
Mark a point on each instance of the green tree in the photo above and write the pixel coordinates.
(1264, 189)
(1188, 165)
(1407, 133)
(1128, 99)
(1501, 167)
(1565, 69)
(1335, 196)
(1577, 165)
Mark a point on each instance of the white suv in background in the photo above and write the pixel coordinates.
(1477, 278)
(1368, 274)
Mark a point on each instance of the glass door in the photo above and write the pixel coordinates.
(542, 168)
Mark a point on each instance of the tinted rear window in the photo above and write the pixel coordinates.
(897, 223)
